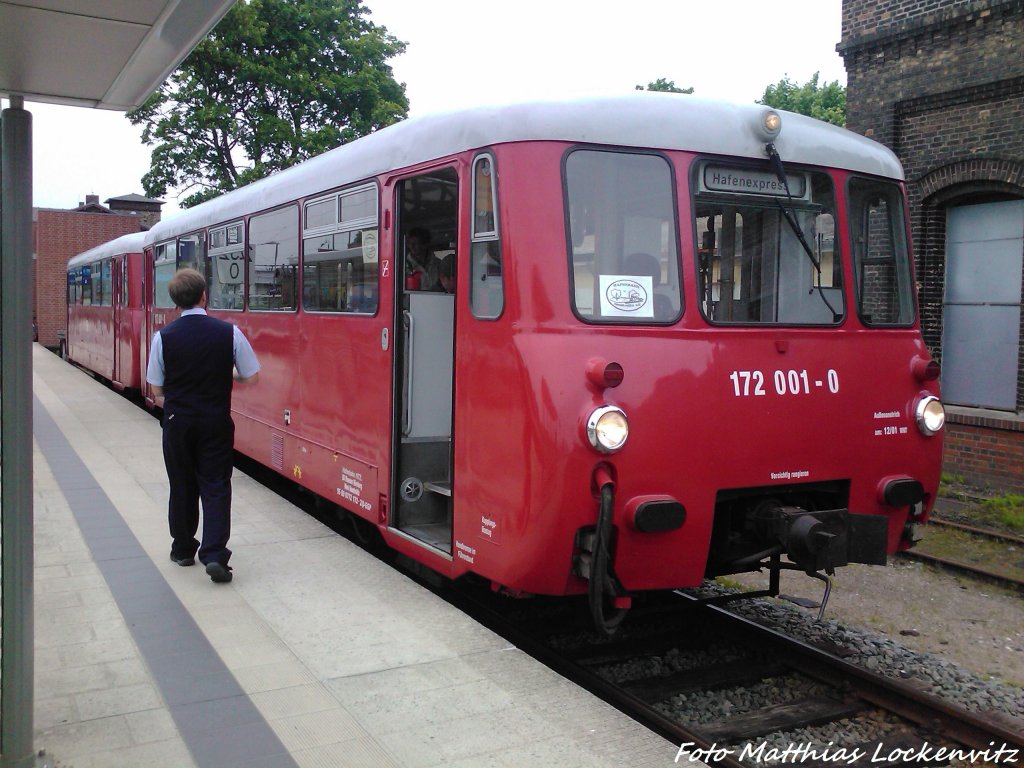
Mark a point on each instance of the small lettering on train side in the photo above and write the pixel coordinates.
(465, 552)
(891, 430)
(790, 474)
(352, 488)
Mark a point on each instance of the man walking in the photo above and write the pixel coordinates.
(191, 367)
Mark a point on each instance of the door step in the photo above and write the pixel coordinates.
(442, 488)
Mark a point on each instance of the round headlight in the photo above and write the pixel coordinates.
(930, 414)
(607, 428)
(770, 125)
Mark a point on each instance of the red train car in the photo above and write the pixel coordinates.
(105, 314)
(604, 346)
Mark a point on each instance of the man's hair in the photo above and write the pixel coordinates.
(186, 288)
(421, 234)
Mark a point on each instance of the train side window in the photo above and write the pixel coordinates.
(97, 284)
(205, 260)
(322, 213)
(123, 283)
(623, 237)
(191, 250)
(339, 253)
(87, 285)
(273, 260)
(106, 283)
(80, 277)
(487, 291)
(881, 257)
(224, 267)
(164, 267)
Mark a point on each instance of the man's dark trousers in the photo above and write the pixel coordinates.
(199, 456)
(199, 434)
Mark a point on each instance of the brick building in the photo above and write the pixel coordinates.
(61, 234)
(941, 82)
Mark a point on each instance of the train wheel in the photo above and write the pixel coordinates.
(365, 532)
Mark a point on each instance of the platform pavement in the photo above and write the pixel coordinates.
(346, 661)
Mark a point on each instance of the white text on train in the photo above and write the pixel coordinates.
(752, 383)
(465, 552)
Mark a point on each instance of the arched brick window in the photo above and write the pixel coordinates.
(970, 239)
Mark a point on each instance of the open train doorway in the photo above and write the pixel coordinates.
(427, 206)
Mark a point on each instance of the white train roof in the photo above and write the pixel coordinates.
(132, 243)
(642, 119)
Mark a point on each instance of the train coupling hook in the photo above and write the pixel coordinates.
(828, 590)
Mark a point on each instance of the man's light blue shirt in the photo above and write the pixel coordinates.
(245, 358)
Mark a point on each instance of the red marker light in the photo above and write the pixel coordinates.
(604, 375)
(925, 370)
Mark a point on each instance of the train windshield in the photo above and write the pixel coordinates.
(753, 265)
(623, 241)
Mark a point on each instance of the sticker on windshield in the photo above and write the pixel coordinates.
(627, 296)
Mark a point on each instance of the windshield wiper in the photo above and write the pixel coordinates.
(790, 217)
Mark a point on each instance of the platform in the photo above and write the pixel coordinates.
(316, 655)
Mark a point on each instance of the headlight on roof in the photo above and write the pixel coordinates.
(770, 124)
(930, 415)
(607, 428)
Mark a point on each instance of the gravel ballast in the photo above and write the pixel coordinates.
(964, 639)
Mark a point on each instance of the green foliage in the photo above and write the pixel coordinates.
(667, 86)
(825, 102)
(277, 82)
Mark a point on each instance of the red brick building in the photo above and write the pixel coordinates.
(60, 234)
(941, 82)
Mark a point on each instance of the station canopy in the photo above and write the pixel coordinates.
(107, 54)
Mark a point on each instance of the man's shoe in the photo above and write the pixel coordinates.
(183, 561)
(218, 573)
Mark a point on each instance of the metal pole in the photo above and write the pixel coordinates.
(16, 525)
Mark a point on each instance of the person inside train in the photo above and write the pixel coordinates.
(645, 265)
(446, 273)
(420, 264)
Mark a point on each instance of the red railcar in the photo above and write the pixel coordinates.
(105, 315)
(682, 341)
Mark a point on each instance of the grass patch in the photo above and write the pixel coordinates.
(1007, 510)
(979, 551)
(738, 586)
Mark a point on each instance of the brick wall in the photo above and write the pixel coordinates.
(59, 235)
(986, 457)
(941, 82)
(875, 17)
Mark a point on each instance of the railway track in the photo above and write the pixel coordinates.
(961, 565)
(804, 700)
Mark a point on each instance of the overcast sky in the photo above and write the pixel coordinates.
(464, 52)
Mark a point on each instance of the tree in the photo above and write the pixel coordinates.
(276, 82)
(826, 102)
(667, 86)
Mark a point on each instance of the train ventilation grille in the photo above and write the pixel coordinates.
(277, 451)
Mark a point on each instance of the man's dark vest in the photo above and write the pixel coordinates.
(198, 362)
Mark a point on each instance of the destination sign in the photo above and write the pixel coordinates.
(746, 181)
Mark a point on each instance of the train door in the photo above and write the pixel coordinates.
(122, 323)
(146, 300)
(427, 214)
